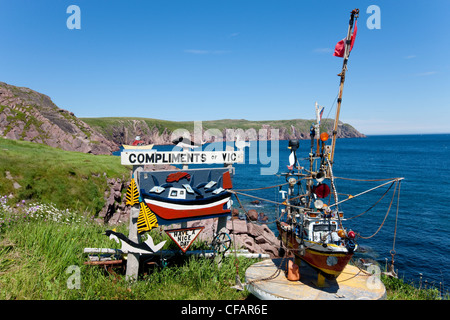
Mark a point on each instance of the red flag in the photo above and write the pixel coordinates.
(339, 50)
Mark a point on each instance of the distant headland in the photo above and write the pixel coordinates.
(28, 115)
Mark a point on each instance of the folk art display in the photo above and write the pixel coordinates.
(309, 220)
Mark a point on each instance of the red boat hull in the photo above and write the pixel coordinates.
(331, 265)
(172, 211)
(329, 260)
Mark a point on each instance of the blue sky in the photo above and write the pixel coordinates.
(234, 59)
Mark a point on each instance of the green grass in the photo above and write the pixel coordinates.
(105, 125)
(35, 256)
(42, 237)
(399, 289)
(36, 253)
(72, 180)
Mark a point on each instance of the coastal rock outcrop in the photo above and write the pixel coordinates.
(32, 116)
(250, 235)
(114, 211)
(161, 132)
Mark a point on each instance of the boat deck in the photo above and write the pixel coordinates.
(352, 284)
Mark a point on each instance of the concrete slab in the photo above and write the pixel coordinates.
(352, 284)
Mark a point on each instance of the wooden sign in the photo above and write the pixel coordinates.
(184, 237)
(137, 157)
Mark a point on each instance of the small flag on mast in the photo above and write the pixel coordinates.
(319, 113)
(339, 50)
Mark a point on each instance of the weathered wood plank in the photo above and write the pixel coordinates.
(101, 263)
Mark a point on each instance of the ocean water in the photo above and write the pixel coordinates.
(423, 224)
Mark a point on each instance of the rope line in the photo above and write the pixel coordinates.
(385, 217)
(381, 198)
(395, 229)
(299, 207)
(367, 191)
(263, 188)
(366, 180)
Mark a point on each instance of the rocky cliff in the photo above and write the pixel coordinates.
(32, 116)
(246, 234)
(160, 132)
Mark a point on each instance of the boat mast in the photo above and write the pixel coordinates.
(353, 16)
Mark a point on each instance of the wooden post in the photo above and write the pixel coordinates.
(133, 258)
(222, 221)
(185, 165)
(183, 224)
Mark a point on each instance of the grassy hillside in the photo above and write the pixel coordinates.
(70, 180)
(123, 130)
(299, 124)
(32, 116)
(36, 256)
(38, 243)
(104, 123)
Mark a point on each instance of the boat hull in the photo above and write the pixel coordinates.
(328, 263)
(329, 259)
(137, 147)
(169, 211)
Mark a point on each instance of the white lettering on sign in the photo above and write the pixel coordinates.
(184, 237)
(202, 157)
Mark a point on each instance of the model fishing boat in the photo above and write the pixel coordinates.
(181, 195)
(137, 144)
(310, 228)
